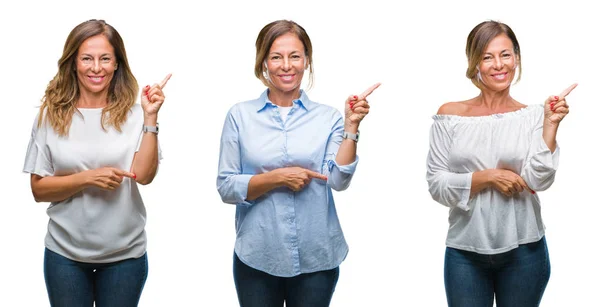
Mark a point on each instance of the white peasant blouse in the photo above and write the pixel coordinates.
(490, 222)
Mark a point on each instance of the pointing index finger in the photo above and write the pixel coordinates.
(125, 174)
(164, 81)
(567, 91)
(317, 175)
(369, 91)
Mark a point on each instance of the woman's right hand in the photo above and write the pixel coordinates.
(296, 178)
(107, 178)
(508, 182)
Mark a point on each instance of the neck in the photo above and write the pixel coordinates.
(283, 99)
(495, 99)
(92, 100)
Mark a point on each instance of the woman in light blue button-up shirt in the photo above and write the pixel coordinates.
(280, 156)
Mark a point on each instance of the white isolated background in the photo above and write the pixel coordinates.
(395, 230)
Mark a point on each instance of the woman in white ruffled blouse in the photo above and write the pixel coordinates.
(488, 156)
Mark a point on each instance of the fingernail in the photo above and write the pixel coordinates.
(555, 97)
(134, 176)
(532, 192)
(355, 97)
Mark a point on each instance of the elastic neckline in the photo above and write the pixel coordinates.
(517, 113)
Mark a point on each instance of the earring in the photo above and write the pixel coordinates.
(116, 66)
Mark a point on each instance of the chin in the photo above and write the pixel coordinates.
(497, 87)
(288, 88)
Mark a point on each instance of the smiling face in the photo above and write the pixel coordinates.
(285, 63)
(498, 64)
(96, 64)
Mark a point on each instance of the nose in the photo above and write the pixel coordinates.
(96, 66)
(498, 63)
(287, 64)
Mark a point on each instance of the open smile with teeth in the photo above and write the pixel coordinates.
(500, 76)
(96, 79)
(286, 77)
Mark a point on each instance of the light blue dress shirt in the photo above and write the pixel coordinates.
(284, 233)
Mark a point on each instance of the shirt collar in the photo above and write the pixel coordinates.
(263, 101)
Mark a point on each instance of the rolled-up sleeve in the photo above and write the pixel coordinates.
(338, 176)
(541, 164)
(447, 188)
(231, 183)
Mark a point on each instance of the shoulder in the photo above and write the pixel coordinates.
(453, 108)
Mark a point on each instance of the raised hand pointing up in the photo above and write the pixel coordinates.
(357, 107)
(556, 108)
(153, 97)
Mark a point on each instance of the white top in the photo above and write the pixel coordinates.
(283, 112)
(94, 225)
(489, 222)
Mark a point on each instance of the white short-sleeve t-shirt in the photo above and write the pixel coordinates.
(94, 225)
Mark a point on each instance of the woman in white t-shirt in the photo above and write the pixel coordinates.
(488, 155)
(89, 145)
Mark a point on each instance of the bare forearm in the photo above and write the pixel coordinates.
(261, 184)
(145, 162)
(549, 135)
(57, 188)
(480, 180)
(347, 152)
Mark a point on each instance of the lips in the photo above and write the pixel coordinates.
(287, 77)
(500, 76)
(96, 79)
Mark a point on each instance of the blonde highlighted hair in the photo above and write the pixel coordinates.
(479, 38)
(268, 35)
(60, 100)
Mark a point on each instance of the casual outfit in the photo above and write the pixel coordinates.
(94, 226)
(284, 233)
(490, 223)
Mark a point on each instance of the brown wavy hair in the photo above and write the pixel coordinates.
(269, 34)
(479, 38)
(60, 100)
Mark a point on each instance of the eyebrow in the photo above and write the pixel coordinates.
(505, 50)
(275, 52)
(104, 54)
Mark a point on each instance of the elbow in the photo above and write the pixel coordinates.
(540, 187)
(435, 195)
(144, 181)
(145, 178)
(226, 197)
(340, 186)
(340, 181)
(539, 183)
(37, 196)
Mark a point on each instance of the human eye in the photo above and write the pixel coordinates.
(487, 58)
(506, 55)
(105, 59)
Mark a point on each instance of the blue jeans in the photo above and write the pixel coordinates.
(517, 278)
(71, 283)
(258, 289)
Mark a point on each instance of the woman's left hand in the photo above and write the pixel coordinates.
(153, 97)
(357, 107)
(556, 108)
